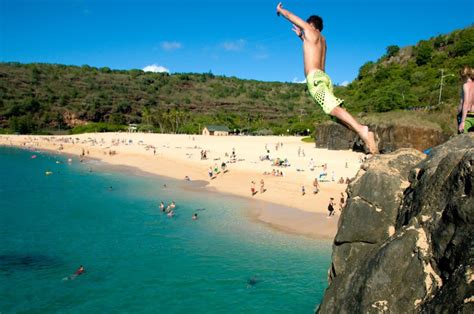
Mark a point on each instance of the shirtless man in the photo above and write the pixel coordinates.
(319, 83)
(466, 106)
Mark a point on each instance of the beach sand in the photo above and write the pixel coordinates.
(281, 206)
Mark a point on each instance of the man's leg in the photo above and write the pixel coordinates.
(361, 130)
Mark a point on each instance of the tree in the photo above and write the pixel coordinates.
(392, 50)
(365, 70)
(423, 52)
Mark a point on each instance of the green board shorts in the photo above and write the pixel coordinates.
(321, 89)
(469, 123)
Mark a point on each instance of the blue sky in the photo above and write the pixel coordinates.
(233, 38)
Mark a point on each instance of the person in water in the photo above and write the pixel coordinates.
(319, 84)
(79, 271)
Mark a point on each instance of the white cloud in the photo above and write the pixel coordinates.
(295, 80)
(171, 45)
(345, 83)
(155, 68)
(236, 45)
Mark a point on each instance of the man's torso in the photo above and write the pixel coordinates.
(314, 49)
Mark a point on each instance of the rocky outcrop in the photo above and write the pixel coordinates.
(405, 243)
(390, 137)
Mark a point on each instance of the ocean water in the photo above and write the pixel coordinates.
(138, 260)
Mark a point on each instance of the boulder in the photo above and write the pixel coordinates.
(335, 136)
(416, 253)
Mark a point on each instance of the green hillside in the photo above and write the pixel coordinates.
(50, 98)
(409, 79)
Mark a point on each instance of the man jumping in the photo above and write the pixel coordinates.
(319, 84)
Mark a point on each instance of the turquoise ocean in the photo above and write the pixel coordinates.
(136, 259)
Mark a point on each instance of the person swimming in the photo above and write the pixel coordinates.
(252, 281)
(162, 206)
(195, 216)
(80, 270)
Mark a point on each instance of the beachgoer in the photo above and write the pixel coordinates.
(210, 172)
(466, 106)
(162, 206)
(319, 84)
(331, 206)
(172, 205)
(170, 213)
(262, 186)
(195, 216)
(187, 178)
(315, 186)
(341, 201)
(303, 190)
(80, 270)
(252, 188)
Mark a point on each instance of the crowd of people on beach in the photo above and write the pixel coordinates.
(217, 168)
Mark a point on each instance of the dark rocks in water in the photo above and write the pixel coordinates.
(12, 262)
(405, 243)
(335, 136)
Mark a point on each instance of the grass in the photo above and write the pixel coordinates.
(308, 139)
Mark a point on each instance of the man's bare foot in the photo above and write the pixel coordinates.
(373, 149)
(369, 140)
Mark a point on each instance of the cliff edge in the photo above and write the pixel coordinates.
(405, 242)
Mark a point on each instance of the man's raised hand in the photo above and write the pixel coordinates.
(279, 8)
(297, 30)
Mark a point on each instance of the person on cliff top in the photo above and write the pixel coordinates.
(466, 105)
(319, 84)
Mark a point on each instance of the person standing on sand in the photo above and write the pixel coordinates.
(315, 186)
(262, 186)
(319, 84)
(341, 201)
(466, 106)
(331, 206)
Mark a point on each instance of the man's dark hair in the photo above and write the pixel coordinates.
(316, 21)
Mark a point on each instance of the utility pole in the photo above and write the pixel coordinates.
(441, 85)
(301, 113)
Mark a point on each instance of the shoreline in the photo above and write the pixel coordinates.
(282, 206)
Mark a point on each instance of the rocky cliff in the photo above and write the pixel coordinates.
(405, 242)
(390, 137)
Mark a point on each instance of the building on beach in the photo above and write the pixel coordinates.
(217, 130)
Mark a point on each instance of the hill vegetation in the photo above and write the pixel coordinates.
(52, 98)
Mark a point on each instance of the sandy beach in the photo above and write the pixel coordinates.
(282, 205)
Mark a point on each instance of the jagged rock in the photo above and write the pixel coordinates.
(425, 263)
(335, 136)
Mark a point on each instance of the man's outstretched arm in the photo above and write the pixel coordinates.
(293, 18)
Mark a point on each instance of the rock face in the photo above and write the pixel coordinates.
(405, 242)
(335, 136)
